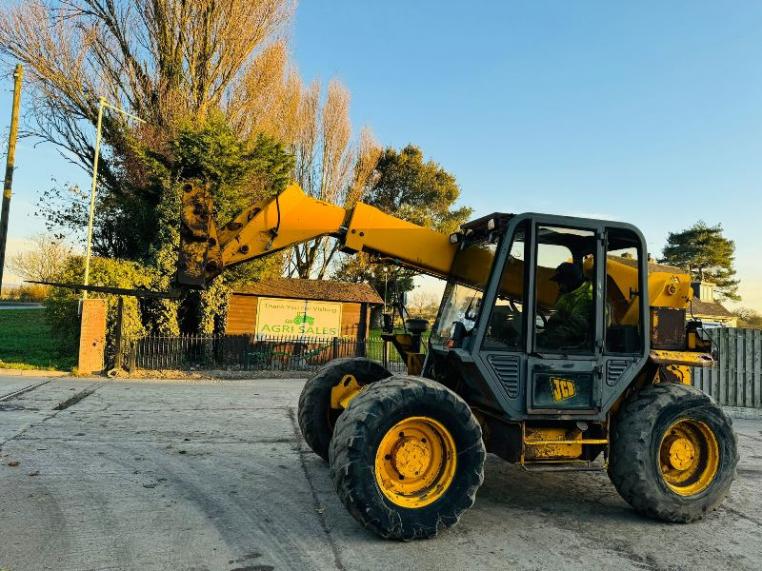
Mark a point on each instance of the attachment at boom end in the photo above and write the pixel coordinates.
(200, 258)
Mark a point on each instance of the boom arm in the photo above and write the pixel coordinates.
(292, 218)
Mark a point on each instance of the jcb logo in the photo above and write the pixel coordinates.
(562, 388)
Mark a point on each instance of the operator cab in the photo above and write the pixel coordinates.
(543, 314)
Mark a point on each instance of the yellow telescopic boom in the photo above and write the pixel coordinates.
(292, 218)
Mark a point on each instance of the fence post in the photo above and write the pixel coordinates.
(118, 358)
(132, 358)
(757, 369)
(362, 350)
(362, 330)
(335, 347)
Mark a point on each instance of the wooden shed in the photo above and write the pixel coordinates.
(310, 308)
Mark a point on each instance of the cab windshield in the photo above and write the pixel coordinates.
(462, 299)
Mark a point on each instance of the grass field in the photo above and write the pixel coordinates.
(375, 333)
(26, 342)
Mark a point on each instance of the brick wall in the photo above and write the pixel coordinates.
(92, 338)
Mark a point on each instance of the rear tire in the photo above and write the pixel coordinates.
(315, 415)
(673, 453)
(407, 458)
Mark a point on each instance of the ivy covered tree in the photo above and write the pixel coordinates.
(143, 226)
(239, 172)
(708, 255)
(213, 84)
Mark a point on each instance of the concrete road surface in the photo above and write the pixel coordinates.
(213, 475)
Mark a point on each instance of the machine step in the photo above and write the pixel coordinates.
(563, 466)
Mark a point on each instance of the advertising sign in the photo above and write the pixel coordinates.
(298, 317)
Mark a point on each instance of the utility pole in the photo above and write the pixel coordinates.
(102, 104)
(91, 215)
(18, 74)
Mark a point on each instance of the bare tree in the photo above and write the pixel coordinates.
(163, 60)
(268, 97)
(422, 304)
(171, 61)
(44, 262)
(330, 166)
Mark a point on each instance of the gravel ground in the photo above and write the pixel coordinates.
(156, 474)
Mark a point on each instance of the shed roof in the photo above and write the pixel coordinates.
(709, 308)
(318, 290)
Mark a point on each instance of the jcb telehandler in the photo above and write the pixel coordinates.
(557, 346)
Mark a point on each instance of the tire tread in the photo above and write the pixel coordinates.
(629, 467)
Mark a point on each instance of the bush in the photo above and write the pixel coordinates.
(62, 304)
(27, 293)
(33, 293)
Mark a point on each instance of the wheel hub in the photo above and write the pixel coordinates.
(689, 457)
(412, 457)
(681, 453)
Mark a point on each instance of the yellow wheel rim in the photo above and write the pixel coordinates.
(689, 457)
(415, 462)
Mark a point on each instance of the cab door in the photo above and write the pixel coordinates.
(625, 317)
(502, 355)
(565, 329)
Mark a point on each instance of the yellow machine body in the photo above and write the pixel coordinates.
(292, 218)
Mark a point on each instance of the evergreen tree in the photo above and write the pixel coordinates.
(419, 191)
(704, 252)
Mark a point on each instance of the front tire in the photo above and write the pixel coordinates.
(673, 453)
(407, 458)
(317, 415)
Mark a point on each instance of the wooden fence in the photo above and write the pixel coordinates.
(736, 378)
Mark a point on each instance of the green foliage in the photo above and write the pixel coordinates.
(26, 293)
(139, 221)
(415, 190)
(27, 342)
(704, 252)
(239, 172)
(62, 304)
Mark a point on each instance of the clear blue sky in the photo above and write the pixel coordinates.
(649, 112)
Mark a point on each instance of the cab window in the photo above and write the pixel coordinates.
(505, 325)
(623, 299)
(462, 301)
(564, 290)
